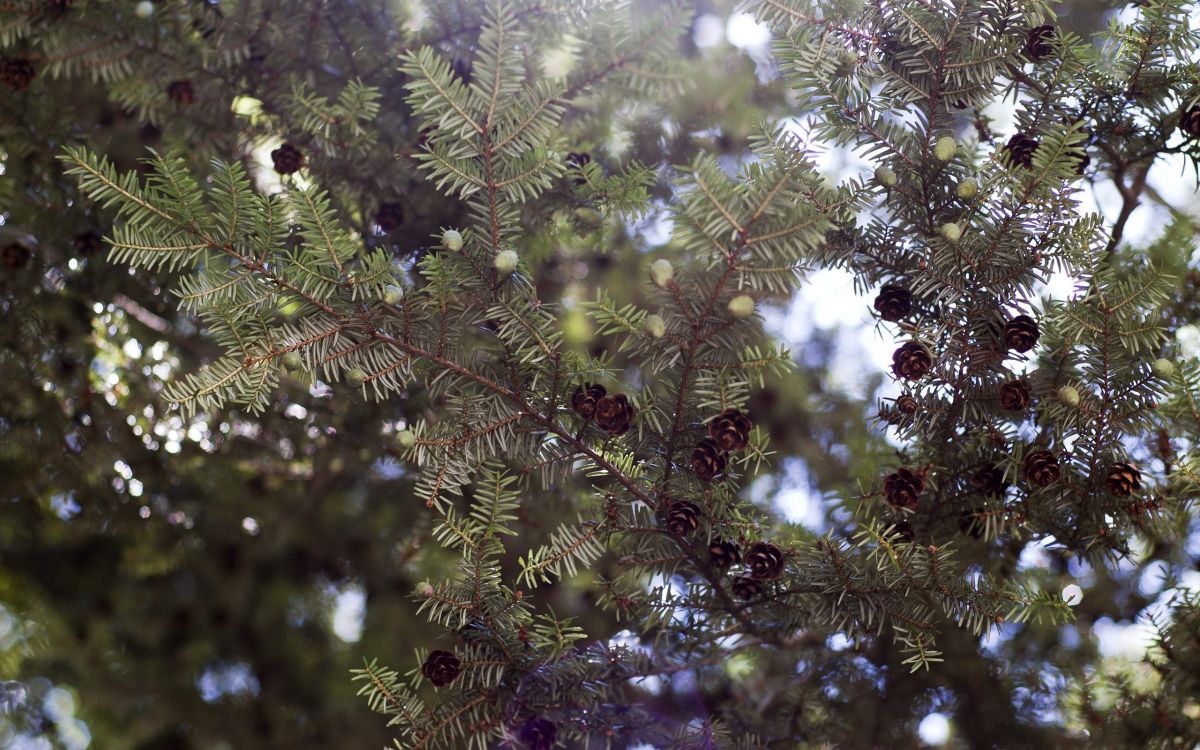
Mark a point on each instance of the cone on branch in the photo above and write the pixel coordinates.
(1014, 396)
(682, 518)
(708, 460)
(1039, 42)
(1041, 468)
(765, 560)
(723, 554)
(1021, 333)
(906, 404)
(614, 414)
(441, 668)
(911, 361)
(903, 488)
(747, 587)
(893, 303)
(730, 430)
(538, 733)
(287, 159)
(1018, 152)
(1189, 122)
(1124, 478)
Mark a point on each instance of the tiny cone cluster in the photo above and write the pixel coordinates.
(1021, 333)
(441, 668)
(727, 432)
(911, 361)
(682, 518)
(893, 303)
(612, 413)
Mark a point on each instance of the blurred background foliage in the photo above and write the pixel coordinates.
(208, 583)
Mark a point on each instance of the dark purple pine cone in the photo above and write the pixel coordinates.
(585, 398)
(906, 404)
(1189, 122)
(903, 488)
(15, 256)
(390, 216)
(988, 480)
(288, 159)
(765, 560)
(17, 73)
(1014, 396)
(441, 667)
(614, 414)
(723, 554)
(911, 361)
(682, 518)
(747, 587)
(1039, 42)
(1019, 150)
(1123, 478)
(731, 430)
(1041, 468)
(538, 733)
(893, 303)
(181, 93)
(1021, 333)
(708, 461)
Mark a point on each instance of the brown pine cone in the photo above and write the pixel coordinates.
(708, 461)
(893, 303)
(682, 518)
(1039, 42)
(988, 480)
(1041, 468)
(723, 554)
(1019, 150)
(730, 430)
(441, 667)
(1189, 122)
(747, 587)
(17, 73)
(15, 256)
(1014, 396)
(906, 404)
(911, 361)
(538, 733)
(181, 93)
(1021, 333)
(765, 560)
(903, 488)
(288, 159)
(390, 216)
(585, 398)
(614, 414)
(1123, 478)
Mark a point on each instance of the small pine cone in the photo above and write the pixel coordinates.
(970, 524)
(538, 733)
(87, 243)
(911, 361)
(1189, 122)
(906, 404)
(708, 461)
(1041, 468)
(731, 430)
(1019, 150)
(765, 560)
(682, 518)
(893, 303)
(390, 216)
(1021, 333)
(1014, 396)
(1123, 478)
(614, 414)
(747, 587)
(723, 554)
(15, 256)
(441, 667)
(1039, 42)
(988, 480)
(17, 73)
(181, 93)
(585, 398)
(903, 488)
(287, 158)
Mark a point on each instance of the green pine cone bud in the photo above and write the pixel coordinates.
(293, 361)
(589, 217)
(1068, 396)
(662, 272)
(1163, 368)
(944, 148)
(952, 232)
(741, 306)
(846, 60)
(452, 240)
(424, 590)
(967, 189)
(506, 261)
(356, 377)
(406, 439)
(656, 326)
(392, 295)
(885, 176)
(144, 9)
